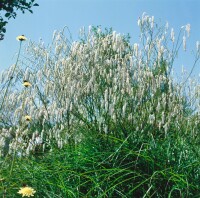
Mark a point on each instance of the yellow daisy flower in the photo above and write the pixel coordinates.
(26, 191)
(21, 38)
(26, 83)
(27, 118)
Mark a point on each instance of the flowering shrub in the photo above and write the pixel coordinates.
(102, 84)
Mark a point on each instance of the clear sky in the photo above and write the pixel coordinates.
(121, 15)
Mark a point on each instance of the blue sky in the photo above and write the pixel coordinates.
(121, 15)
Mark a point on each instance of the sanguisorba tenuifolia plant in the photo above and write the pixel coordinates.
(8, 100)
(105, 90)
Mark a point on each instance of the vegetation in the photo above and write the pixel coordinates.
(100, 117)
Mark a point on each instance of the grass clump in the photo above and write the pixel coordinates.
(119, 170)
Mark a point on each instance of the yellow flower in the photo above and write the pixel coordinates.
(27, 191)
(28, 118)
(26, 83)
(21, 38)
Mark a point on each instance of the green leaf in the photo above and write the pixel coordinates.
(35, 4)
(7, 14)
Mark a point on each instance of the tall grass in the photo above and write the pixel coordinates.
(107, 117)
